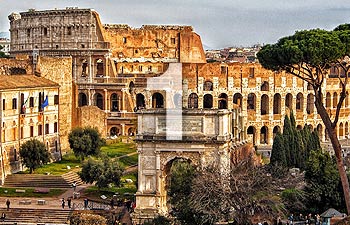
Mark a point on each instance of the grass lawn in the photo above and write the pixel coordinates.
(118, 149)
(29, 192)
(129, 160)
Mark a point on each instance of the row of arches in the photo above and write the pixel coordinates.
(332, 102)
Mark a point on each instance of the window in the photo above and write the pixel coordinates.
(82, 46)
(251, 72)
(136, 51)
(55, 127)
(150, 68)
(173, 41)
(47, 128)
(3, 104)
(56, 100)
(140, 68)
(69, 30)
(40, 129)
(56, 46)
(22, 133)
(31, 102)
(31, 131)
(124, 40)
(15, 155)
(207, 86)
(28, 32)
(14, 103)
(224, 70)
(45, 31)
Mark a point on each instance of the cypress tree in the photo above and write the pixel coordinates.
(278, 153)
(287, 136)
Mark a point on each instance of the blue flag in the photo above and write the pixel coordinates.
(45, 103)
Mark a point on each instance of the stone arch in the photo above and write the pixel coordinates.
(208, 101)
(264, 134)
(310, 104)
(99, 68)
(251, 101)
(328, 100)
(289, 101)
(222, 101)
(341, 130)
(98, 100)
(208, 86)
(264, 106)
(157, 100)
(251, 133)
(276, 129)
(299, 102)
(346, 131)
(299, 127)
(178, 100)
(193, 101)
(277, 104)
(140, 101)
(335, 99)
(265, 86)
(114, 102)
(237, 99)
(114, 131)
(131, 131)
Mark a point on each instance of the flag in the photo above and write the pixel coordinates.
(45, 103)
(24, 106)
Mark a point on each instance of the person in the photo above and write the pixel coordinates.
(8, 204)
(63, 203)
(3, 216)
(112, 203)
(86, 202)
(69, 202)
(74, 186)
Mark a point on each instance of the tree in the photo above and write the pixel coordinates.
(309, 55)
(34, 154)
(85, 141)
(323, 184)
(278, 153)
(103, 172)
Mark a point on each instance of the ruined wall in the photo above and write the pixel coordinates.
(191, 48)
(59, 70)
(15, 66)
(93, 117)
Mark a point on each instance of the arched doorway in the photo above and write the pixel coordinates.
(289, 101)
(131, 131)
(222, 101)
(114, 103)
(299, 102)
(341, 131)
(193, 101)
(264, 107)
(114, 131)
(264, 135)
(251, 101)
(99, 101)
(99, 68)
(140, 101)
(82, 99)
(328, 100)
(251, 132)
(277, 104)
(208, 101)
(157, 100)
(237, 99)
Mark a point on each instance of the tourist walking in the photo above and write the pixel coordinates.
(8, 204)
(69, 202)
(63, 203)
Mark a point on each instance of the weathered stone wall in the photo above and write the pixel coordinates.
(93, 117)
(59, 70)
(15, 66)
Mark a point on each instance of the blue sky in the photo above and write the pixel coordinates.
(220, 23)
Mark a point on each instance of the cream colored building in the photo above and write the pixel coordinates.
(22, 117)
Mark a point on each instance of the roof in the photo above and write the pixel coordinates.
(329, 213)
(24, 81)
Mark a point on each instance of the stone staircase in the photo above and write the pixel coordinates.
(35, 216)
(46, 181)
(71, 177)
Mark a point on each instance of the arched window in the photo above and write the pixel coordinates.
(328, 100)
(114, 131)
(251, 101)
(82, 99)
(222, 101)
(335, 99)
(264, 106)
(114, 103)
(99, 68)
(277, 104)
(208, 86)
(251, 134)
(84, 68)
(265, 86)
(341, 131)
(208, 101)
(237, 99)
(289, 101)
(276, 129)
(193, 101)
(99, 101)
(140, 101)
(264, 135)
(299, 102)
(157, 100)
(310, 104)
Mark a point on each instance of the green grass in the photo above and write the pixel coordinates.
(118, 149)
(129, 160)
(29, 192)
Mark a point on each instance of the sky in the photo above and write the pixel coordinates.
(220, 23)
